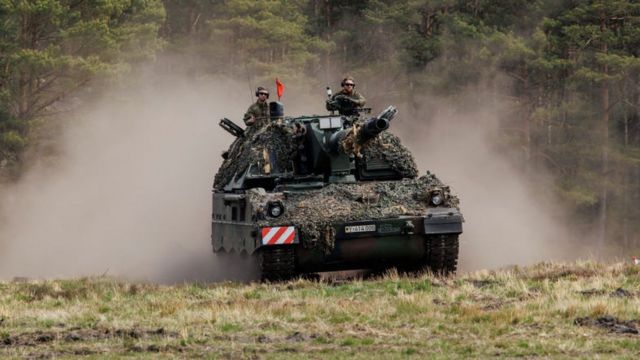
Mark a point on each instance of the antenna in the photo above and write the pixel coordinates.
(250, 88)
(329, 94)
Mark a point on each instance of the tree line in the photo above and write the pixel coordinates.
(573, 69)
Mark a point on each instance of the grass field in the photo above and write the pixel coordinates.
(581, 310)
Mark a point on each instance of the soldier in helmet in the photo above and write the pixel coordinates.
(346, 101)
(258, 112)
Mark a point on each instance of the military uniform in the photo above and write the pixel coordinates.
(345, 103)
(260, 112)
(355, 96)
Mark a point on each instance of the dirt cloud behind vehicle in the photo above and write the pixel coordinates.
(512, 217)
(129, 194)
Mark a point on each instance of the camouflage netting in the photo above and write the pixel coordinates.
(385, 146)
(388, 148)
(274, 145)
(313, 211)
(269, 148)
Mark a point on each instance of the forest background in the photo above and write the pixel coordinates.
(567, 73)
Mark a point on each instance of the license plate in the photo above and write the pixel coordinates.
(351, 229)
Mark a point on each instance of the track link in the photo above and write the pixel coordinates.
(276, 263)
(443, 253)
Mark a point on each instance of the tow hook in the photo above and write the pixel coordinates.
(408, 227)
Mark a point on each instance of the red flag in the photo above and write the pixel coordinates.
(279, 88)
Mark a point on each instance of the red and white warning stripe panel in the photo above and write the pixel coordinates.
(279, 235)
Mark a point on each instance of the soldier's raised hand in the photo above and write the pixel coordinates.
(332, 105)
(344, 100)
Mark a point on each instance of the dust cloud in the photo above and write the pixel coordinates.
(511, 218)
(130, 194)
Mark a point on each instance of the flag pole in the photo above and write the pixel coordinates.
(279, 88)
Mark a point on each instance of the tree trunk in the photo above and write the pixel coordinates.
(625, 114)
(636, 185)
(26, 78)
(527, 121)
(626, 174)
(626, 129)
(327, 65)
(625, 214)
(605, 148)
(23, 80)
(476, 8)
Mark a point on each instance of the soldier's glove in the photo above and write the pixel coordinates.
(344, 100)
(332, 105)
(250, 120)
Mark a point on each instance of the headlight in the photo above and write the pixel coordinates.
(275, 209)
(436, 199)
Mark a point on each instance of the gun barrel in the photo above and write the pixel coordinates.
(388, 113)
(374, 126)
(369, 130)
(231, 127)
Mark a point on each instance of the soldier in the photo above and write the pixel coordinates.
(347, 100)
(258, 112)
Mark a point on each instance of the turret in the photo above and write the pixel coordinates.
(304, 150)
(333, 144)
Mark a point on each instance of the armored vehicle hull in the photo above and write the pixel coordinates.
(314, 194)
(408, 243)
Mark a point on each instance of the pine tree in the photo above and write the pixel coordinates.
(592, 35)
(53, 48)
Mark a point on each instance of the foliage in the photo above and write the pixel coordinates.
(12, 140)
(245, 38)
(269, 36)
(573, 68)
(52, 49)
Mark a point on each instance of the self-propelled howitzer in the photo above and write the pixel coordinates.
(321, 193)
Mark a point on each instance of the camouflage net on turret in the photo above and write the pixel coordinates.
(269, 148)
(273, 145)
(387, 147)
(313, 211)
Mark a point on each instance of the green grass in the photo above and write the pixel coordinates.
(520, 312)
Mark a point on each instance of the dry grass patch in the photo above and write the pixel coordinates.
(517, 312)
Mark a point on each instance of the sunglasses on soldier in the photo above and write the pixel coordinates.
(349, 84)
(263, 93)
